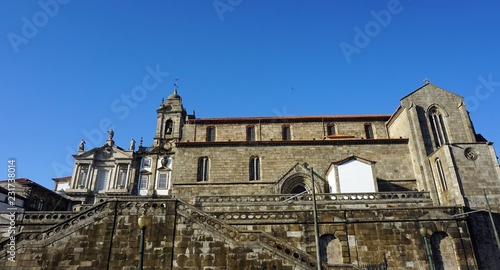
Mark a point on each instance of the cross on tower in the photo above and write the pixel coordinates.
(176, 81)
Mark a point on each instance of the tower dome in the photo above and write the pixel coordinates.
(174, 95)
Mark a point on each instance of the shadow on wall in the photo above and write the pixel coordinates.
(396, 185)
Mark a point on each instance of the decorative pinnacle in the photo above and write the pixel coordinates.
(426, 81)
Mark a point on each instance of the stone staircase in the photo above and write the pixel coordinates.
(224, 216)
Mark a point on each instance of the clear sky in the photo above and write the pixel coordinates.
(73, 69)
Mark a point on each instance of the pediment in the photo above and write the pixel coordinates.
(105, 152)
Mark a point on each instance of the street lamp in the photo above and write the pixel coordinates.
(143, 222)
(423, 232)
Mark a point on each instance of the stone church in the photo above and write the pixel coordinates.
(408, 190)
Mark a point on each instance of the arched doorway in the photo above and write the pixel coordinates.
(295, 185)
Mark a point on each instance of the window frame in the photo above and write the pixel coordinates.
(250, 133)
(369, 134)
(328, 129)
(141, 181)
(211, 134)
(286, 133)
(202, 172)
(159, 186)
(254, 168)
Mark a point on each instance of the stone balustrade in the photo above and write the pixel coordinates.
(344, 198)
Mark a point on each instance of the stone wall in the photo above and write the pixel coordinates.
(229, 165)
(184, 237)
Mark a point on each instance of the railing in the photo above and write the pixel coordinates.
(229, 232)
(323, 197)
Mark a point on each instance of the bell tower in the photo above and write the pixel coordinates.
(171, 117)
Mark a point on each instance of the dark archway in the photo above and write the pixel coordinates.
(298, 189)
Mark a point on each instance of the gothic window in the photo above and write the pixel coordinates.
(144, 182)
(254, 168)
(330, 129)
(203, 166)
(210, 134)
(34, 203)
(169, 125)
(369, 131)
(102, 180)
(250, 133)
(440, 173)
(438, 127)
(162, 180)
(286, 134)
(40, 204)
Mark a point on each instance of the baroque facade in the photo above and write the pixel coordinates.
(236, 193)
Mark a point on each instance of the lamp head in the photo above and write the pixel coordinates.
(143, 221)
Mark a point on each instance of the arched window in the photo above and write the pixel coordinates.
(286, 133)
(330, 129)
(254, 168)
(369, 131)
(438, 127)
(250, 133)
(210, 134)
(203, 167)
(169, 126)
(440, 173)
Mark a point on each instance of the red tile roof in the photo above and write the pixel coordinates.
(291, 119)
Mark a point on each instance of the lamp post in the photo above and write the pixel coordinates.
(423, 232)
(315, 214)
(143, 221)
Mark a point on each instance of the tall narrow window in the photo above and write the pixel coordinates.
(169, 125)
(102, 180)
(254, 168)
(330, 129)
(162, 181)
(438, 127)
(122, 176)
(250, 133)
(210, 134)
(286, 135)
(203, 164)
(144, 182)
(440, 173)
(369, 131)
(82, 178)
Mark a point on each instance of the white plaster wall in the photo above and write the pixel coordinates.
(356, 176)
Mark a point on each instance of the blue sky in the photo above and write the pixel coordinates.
(72, 69)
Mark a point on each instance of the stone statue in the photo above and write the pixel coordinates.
(132, 144)
(111, 133)
(82, 145)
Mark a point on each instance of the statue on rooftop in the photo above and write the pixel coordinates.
(81, 147)
(111, 133)
(132, 144)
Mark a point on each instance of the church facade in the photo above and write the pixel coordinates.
(400, 191)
